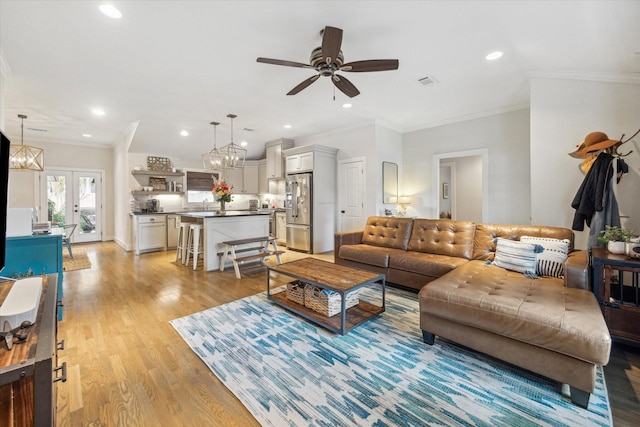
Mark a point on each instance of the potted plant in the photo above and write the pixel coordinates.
(615, 238)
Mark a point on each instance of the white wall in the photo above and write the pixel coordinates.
(563, 112)
(389, 148)
(121, 220)
(506, 136)
(373, 142)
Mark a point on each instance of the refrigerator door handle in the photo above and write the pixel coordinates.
(294, 199)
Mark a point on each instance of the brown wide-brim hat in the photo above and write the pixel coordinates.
(595, 141)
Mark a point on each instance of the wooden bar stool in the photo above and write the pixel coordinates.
(181, 247)
(194, 244)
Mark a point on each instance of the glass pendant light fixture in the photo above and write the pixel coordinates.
(25, 157)
(215, 158)
(234, 153)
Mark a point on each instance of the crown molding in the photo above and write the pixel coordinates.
(471, 116)
(593, 76)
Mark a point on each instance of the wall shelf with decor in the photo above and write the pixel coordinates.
(157, 182)
(156, 173)
(155, 192)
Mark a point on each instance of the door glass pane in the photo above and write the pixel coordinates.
(87, 204)
(56, 198)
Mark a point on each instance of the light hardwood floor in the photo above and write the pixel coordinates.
(128, 367)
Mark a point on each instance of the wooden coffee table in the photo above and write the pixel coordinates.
(327, 275)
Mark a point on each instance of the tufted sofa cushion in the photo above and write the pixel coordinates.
(443, 237)
(389, 232)
(431, 265)
(485, 248)
(368, 254)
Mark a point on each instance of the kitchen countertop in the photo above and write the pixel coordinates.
(212, 214)
(206, 214)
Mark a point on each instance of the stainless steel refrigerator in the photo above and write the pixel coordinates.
(298, 205)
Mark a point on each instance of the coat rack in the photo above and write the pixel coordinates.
(614, 150)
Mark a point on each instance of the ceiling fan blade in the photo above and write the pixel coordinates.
(345, 86)
(282, 62)
(305, 84)
(370, 65)
(331, 42)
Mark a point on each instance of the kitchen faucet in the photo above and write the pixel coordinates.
(204, 204)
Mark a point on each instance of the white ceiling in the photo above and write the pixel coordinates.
(173, 65)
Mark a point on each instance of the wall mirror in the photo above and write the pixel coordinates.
(389, 182)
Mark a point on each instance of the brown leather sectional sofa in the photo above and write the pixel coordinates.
(548, 325)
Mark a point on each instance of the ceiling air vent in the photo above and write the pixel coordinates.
(427, 80)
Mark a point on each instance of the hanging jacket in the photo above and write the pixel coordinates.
(590, 195)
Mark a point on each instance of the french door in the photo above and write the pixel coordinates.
(74, 197)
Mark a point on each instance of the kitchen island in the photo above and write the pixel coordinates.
(233, 225)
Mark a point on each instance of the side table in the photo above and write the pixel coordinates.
(619, 300)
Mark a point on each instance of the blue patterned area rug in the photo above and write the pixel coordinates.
(288, 372)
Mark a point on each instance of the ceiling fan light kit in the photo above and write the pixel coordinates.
(329, 59)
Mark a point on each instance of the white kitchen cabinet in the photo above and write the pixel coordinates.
(302, 162)
(251, 178)
(263, 181)
(245, 180)
(275, 164)
(281, 226)
(234, 178)
(150, 233)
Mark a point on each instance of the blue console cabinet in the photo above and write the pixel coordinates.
(40, 253)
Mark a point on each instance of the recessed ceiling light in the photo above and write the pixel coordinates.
(493, 55)
(184, 133)
(287, 126)
(110, 11)
(346, 105)
(98, 111)
(87, 135)
(243, 143)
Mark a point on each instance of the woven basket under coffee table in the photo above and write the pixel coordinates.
(328, 285)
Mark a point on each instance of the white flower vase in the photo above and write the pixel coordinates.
(617, 248)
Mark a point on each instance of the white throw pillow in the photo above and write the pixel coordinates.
(517, 256)
(550, 262)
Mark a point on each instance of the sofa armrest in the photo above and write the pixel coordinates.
(345, 238)
(576, 270)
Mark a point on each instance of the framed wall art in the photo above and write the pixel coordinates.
(445, 190)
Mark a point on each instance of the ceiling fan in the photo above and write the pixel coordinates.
(328, 58)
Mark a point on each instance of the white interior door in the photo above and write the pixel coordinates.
(75, 197)
(351, 194)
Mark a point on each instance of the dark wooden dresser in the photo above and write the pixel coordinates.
(616, 284)
(29, 371)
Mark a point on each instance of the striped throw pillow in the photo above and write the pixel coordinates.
(517, 256)
(550, 262)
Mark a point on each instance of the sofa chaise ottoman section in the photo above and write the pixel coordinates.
(559, 330)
